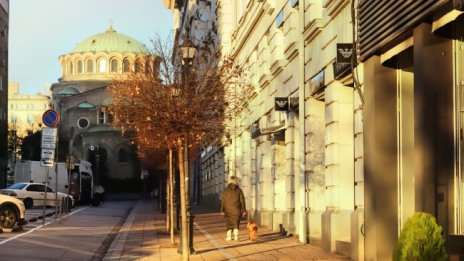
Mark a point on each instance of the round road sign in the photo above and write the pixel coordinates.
(51, 118)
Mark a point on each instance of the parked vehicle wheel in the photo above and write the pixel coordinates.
(28, 203)
(8, 218)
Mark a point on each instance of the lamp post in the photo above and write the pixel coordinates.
(187, 51)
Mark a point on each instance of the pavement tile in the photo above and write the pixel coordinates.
(147, 239)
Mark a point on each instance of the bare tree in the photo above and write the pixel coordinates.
(166, 106)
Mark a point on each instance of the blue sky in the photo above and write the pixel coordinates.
(41, 31)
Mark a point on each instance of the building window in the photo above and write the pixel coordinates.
(79, 67)
(126, 66)
(101, 65)
(138, 66)
(30, 119)
(102, 116)
(89, 66)
(71, 68)
(280, 19)
(114, 65)
(122, 155)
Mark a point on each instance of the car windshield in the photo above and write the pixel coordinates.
(17, 186)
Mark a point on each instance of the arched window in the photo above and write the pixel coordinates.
(71, 68)
(114, 65)
(122, 155)
(79, 67)
(89, 66)
(126, 66)
(138, 66)
(101, 65)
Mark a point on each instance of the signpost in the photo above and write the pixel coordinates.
(50, 118)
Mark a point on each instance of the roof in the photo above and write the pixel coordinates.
(110, 41)
(100, 128)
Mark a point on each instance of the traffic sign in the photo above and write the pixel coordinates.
(49, 138)
(47, 157)
(51, 118)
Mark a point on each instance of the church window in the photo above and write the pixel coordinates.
(122, 155)
(89, 66)
(101, 65)
(114, 65)
(79, 67)
(138, 65)
(83, 123)
(126, 66)
(102, 116)
(70, 68)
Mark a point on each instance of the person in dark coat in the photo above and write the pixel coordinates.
(233, 207)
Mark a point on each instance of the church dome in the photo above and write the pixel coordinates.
(104, 56)
(110, 41)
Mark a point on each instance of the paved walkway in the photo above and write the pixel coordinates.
(143, 236)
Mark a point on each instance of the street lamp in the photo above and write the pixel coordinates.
(187, 52)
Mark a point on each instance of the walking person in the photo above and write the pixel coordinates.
(233, 207)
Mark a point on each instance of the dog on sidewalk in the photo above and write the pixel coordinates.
(252, 230)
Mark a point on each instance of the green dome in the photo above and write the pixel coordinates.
(110, 41)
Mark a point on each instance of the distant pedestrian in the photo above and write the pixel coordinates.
(233, 207)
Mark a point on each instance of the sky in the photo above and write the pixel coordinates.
(41, 31)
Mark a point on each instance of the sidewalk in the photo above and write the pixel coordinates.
(144, 237)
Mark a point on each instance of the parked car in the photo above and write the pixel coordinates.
(32, 194)
(11, 213)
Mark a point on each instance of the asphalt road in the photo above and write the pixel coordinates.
(84, 234)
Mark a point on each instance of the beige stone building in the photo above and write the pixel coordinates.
(25, 111)
(338, 157)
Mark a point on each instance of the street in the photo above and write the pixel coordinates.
(78, 236)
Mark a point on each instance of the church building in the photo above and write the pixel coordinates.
(81, 96)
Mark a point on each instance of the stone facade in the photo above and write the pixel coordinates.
(25, 111)
(361, 150)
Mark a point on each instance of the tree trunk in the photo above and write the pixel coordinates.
(183, 202)
(168, 204)
(171, 198)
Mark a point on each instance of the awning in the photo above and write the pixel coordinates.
(273, 129)
(446, 19)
